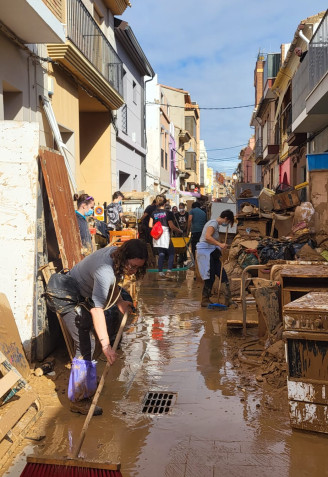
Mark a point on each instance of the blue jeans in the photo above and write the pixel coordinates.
(161, 257)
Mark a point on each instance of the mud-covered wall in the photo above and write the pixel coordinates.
(319, 198)
(19, 143)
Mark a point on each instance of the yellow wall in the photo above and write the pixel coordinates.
(95, 155)
(65, 103)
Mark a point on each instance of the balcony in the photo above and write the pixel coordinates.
(32, 22)
(317, 100)
(88, 55)
(270, 141)
(258, 152)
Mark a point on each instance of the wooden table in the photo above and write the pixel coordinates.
(297, 280)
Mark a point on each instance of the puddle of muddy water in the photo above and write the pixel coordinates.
(223, 422)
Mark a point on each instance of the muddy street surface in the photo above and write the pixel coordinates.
(214, 418)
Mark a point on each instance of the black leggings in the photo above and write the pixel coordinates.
(215, 270)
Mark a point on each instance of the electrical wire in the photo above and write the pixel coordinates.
(223, 148)
(198, 107)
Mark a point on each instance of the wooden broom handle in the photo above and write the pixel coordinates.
(98, 391)
(225, 241)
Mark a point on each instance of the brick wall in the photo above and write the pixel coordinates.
(57, 8)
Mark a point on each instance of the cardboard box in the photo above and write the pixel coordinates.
(286, 200)
(259, 226)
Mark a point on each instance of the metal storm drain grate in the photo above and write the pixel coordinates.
(158, 402)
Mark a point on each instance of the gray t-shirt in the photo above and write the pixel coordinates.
(211, 223)
(95, 275)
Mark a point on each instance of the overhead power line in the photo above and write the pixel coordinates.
(223, 148)
(198, 107)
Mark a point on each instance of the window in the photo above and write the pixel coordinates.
(125, 118)
(134, 92)
(190, 159)
(190, 125)
(166, 160)
(162, 157)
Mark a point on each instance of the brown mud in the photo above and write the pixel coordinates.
(230, 418)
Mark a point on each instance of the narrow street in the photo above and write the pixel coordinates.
(221, 421)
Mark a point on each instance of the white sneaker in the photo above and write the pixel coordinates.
(162, 275)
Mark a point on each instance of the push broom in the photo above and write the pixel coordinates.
(73, 466)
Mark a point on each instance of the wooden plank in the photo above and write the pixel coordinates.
(8, 381)
(61, 206)
(72, 463)
(16, 412)
(10, 341)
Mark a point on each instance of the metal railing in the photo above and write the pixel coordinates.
(300, 88)
(318, 53)
(259, 148)
(269, 134)
(83, 31)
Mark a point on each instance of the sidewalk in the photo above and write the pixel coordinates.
(221, 421)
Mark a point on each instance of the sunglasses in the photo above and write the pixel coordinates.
(89, 198)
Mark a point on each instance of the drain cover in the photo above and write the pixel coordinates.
(158, 402)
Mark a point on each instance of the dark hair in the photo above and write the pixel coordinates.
(117, 194)
(195, 205)
(160, 200)
(228, 214)
(133, 248)
(84, 199)
(182, 204)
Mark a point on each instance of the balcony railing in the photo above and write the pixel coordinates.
(318, 53)
(300, 88)
(83, 31)
(270, 136)
(259, 148)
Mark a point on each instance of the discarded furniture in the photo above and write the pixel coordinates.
(121, 236)
(244, 281)
(16, 415)
(298, 280)
(306, 337)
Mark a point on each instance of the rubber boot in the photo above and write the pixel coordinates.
(226, 292)
(205, 297)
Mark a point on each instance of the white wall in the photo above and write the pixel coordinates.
(19, 143)
(153, 159)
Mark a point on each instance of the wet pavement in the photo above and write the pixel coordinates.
(221, 422)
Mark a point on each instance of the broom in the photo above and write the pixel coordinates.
(73, 466)
(220, 306)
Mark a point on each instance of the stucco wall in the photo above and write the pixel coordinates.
(95, 138)
(19, 143)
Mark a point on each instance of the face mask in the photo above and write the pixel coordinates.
(181, 211)
(90, 212)
(224, 225)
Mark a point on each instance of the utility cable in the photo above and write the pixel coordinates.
(198, 107)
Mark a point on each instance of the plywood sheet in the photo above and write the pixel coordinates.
(61, 205)
(10, 342)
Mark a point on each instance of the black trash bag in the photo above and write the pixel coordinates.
(269, 249)
(102, 229)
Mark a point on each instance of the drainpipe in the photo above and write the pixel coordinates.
(301, 35)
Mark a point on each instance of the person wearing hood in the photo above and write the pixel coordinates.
(85, 205)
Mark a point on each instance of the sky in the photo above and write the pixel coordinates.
(209, 48)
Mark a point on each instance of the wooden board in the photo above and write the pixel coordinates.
(61, 206)
(10, 342)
